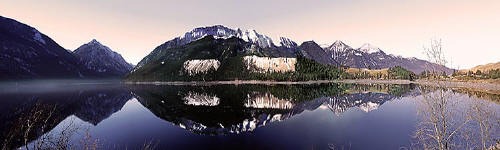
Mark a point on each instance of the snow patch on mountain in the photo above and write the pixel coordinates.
(38, 37)
(286, 42)
(219, 31)
(253, 37)
(368, 48)
(338, 47)
(369, 106)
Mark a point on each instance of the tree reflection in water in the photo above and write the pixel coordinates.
(230, 109)
(449, 121)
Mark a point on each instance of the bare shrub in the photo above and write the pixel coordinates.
(444, 122)
(32, 130)
(439, 120)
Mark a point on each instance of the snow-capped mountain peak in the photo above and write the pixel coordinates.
(324, 46)
(368, 48)
(253, 37)
(338, 46)
(38, 37)
(218, 31)
(369, 106)
(286, 42)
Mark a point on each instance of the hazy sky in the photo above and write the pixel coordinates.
(470, 30)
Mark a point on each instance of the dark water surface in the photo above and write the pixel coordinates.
(324, 116)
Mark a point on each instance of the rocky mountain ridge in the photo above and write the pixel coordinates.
(31, 54)
(337, 54)
(218, 31)
(25, 53)
(483, 68)
(372, 57)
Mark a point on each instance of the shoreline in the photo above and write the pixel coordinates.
(486, 87)
(235, 82)
(447, 84)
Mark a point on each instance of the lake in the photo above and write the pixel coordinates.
(110, 115)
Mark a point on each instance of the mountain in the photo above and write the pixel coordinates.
(226, 54)
(219, 59)
(368, 48)
(209, 58)
(253, 37)
(95, 107)
(372, 57)
(220, 53)
(219, 31)
(102, 60)
(484, 68)
(287, 43)
(25, 53)
(286, 47)
(311, 50)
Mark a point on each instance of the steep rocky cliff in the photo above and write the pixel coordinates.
(193, 67)
(312, 50)
(267, 64)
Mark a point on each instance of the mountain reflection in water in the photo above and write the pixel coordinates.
(224, 109)
(230, 112)
(89, 103)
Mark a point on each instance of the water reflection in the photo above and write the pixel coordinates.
(200, 99)
(224, 109)
(88, 103)
(237, 112)
(267, 100)
(446, 121)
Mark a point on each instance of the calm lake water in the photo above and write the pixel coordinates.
(320, 116)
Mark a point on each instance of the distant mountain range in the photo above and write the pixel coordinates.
(217, 47)
(371, 57)
(29, 54)
(484, 68)
(25, 53)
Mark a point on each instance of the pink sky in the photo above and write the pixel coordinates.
(470, 30)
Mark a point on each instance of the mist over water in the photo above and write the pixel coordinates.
(55, 85)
